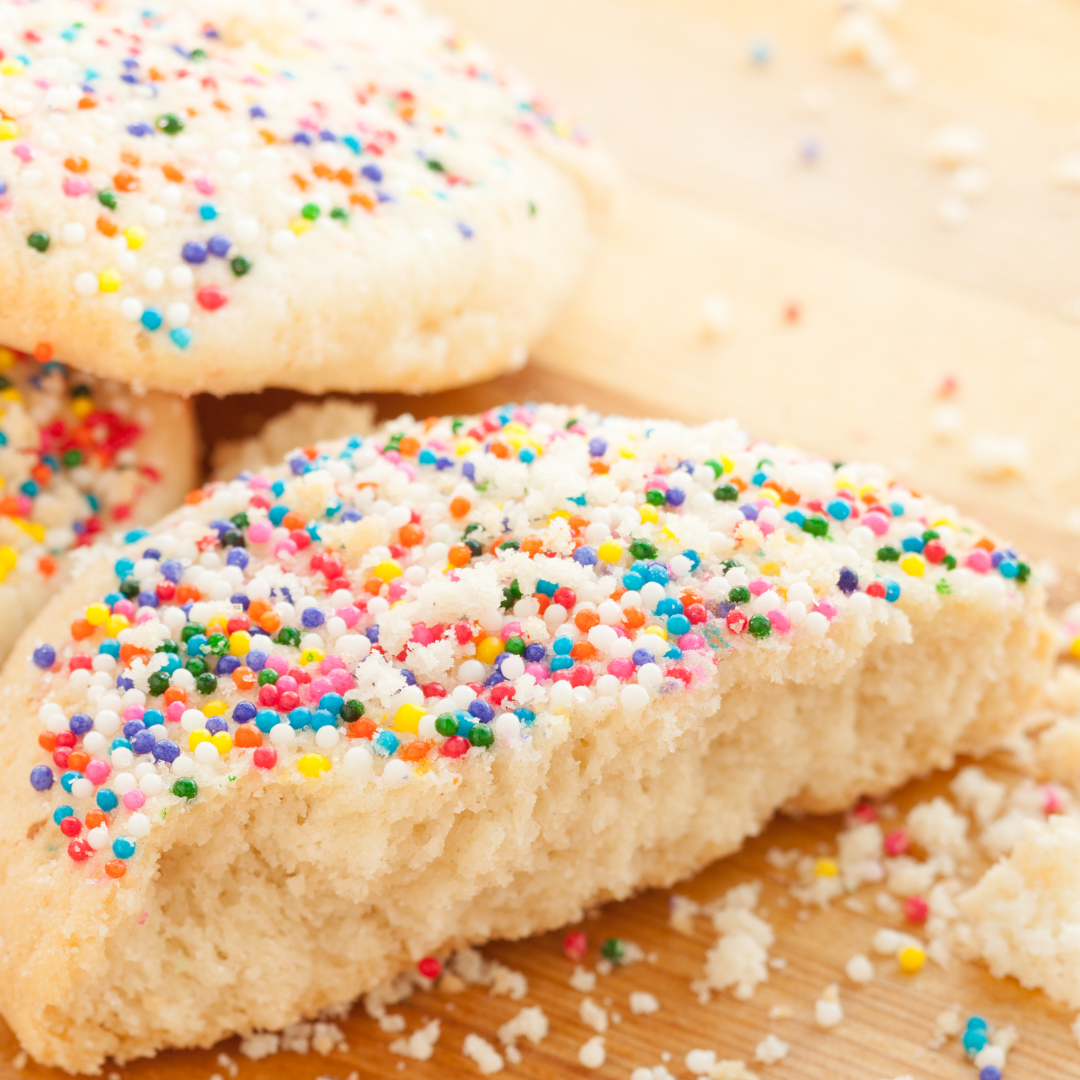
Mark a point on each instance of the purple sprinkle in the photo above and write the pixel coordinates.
(373, 173)
(193, 252)
(219, 246)
(44, 656)
(41, 778)
(166, 750)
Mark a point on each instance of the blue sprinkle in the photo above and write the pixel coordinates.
(107, 800)
(152, 318)
(848, 581)
(180, 337)
(207, 212)
(839, 509)
(61, 812)
(385, 743)
(257, 112)
(244, 712)
(80, 723)
(586, 556)
(481, 710)
(535, 652)
(266, 720)
(300, 718)
(312, 617)
(465, 230)
(123, 847)
(562, 645)
(41, 778)
(676, 496)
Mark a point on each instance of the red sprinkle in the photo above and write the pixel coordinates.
(575, 945)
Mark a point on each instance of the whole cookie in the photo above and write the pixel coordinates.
(325, 195)
(460, 679)
(79, 459)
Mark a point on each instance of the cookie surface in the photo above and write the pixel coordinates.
(79, 459)
(457, 680)
(225, 196)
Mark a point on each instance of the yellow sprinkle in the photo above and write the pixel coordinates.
(826, 868)
(466, 444)
(31, 528)
(199, 735)
(1074, 648)
(911, 959)
(387, 570)
(654, 630)
(648, 513)
(11, 67)
(240, 643)
(7, 358)
(8, 557)
(626, 452)
(299, 226)
(488, 650)
(10, 393)
(558, 514)
(82, 407)
(769, 493)
(421, 767)
(135, 237)
(309, 655)
(770, 569)
(729, 465)
(115, 623)
(222, 742)
(609, 551)
(8, 129)
(218, 622)
(313, 764)
(912, 564)
(214, 708)
(109, 280)
(943, 521)
(407, 718)
(96, 614)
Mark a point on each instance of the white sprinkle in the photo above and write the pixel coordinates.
(131, 309)
(178, 314)
(99, 837)
(73, 234)
(182, 276)
(86, 283)
(138, 825)
(282, 735)
(283, 241)
(593, 1015)
(153, 279)
(154, 216)
(715, 317)
(859, 969)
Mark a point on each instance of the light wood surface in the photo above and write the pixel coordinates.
(891, 303)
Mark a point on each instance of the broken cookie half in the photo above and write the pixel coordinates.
(457, 680)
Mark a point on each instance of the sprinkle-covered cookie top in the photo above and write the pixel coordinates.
(171, 163)
(69, 463)
(388, 608)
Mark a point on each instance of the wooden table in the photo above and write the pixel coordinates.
(719, 201)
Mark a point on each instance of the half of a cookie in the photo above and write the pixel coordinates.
(456, 680)
(220, 195)
(80, 458)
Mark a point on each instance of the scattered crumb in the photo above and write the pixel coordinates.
(699, 1062)
(228, 1064)
(739, 959)
(487, 1058)
(642, 1003)
(657, 1072)
(420, 1045)
(592, 1054)
(683, 911)
(781, 1012)
(19, 1060)
(859, 969)
(771, 1049)
(582, 980)
(593, 1015)
(531, 1023)
(828, 1012)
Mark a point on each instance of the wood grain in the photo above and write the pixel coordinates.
(718, 202)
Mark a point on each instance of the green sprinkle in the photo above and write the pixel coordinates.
(511, 595)
(289, 635)
(338, 214)
(1023, 572)
(206, 684)
(446, 724)
(642, 549)
(239, 265)
(159, 683)
(888, 554)
(73, 458)
(436, 166)
(39, 241)
(310, 211)
(268, 676)
(816, 526)
(760, 626)
(481, 735)
(739, 595)
(726, 493)
(717, 468)
(613, 950)
(107, 198)
(169, 124)
(185, 788)
(352, 710)
(943, 588)
(655, 497)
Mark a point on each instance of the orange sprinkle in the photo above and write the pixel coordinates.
(257, 609)
(81, 629)
(459, 555)
(174, 693)
(292, 520)
(247, 735)
(460, 506)
(78, 760)
(270, 622)
(411, 534)
(95, 817)
(415, 750)
(43, 352)
(243, 679)
(192, 498)
(634, 617)
(409, 447)
(129, 158)
(76, 165)
(185, 593)
(532, 545)
(106, 227)
(172, 173)
(115, 868)
(583, 650)
(586, 620)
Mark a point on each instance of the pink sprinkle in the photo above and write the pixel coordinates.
(916, 909)
(523, 416)
(759, 586)
(979, 560)
(75, 186)
(395, 590)
(826, 609)
(896, 843)
(23, 152)
(286, 683)
(175, 711)
(422, 635)
(277, 663)
(134, 712)
(621, 668)
(877, 523)
(765, 527)
(537, 671)
(692, 643)
(392, 456)
(285, 548)
(407, 468)
(511, 629)
(330, 662)
(865, 813)
(1053, 800)
(203, 186)
(125, 608)
(341, 680)
(656, 483)
(259, 532)
(258, 483)
(319, 687)
(97, 771)
(145, 615)
(134, 799)
(779, 621)
(348, 615)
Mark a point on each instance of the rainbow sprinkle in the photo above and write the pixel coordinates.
(395, 606)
